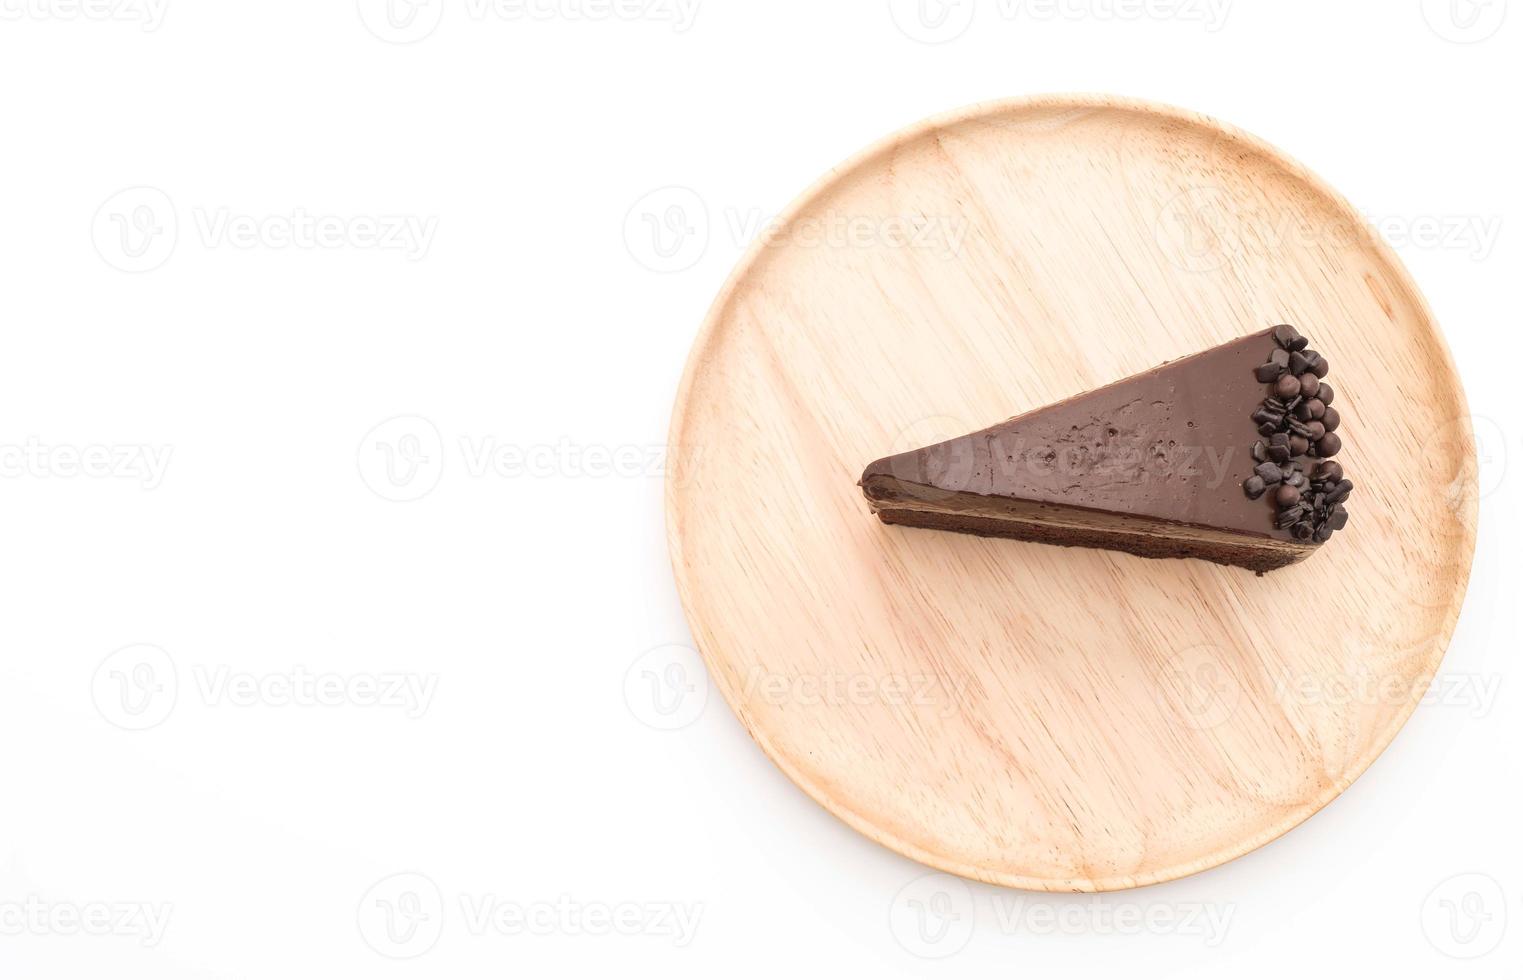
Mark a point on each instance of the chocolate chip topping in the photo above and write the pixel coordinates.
(1297, 420)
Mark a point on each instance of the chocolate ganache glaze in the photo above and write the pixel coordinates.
(1164, 464)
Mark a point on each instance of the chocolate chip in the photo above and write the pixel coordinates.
(1323, 533)
(1269, 472)
(1280, 359)
(1299, 445)
(1325, 393)
(1309, 385)
(1259, 452)
(1330, 472)
(1330, 419)
(1329, 445)
(1313, 407)
(1267, 430)
(1265, 417)
(1287, 337)
(1338, 518)
(1287, 495)
(1299, 428)
(1254, 487)
(1299, 363)
(1296, 479)
(1302, 531)
(1315, 430)
(1288, 386)
(1268, 372)
(1320, 367)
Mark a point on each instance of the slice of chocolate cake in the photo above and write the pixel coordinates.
(1222, 455)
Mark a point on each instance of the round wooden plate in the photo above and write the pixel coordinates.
(1033, 716)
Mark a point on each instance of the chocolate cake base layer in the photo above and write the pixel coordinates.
(897, 503)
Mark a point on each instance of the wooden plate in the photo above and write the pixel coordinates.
(1034, 716)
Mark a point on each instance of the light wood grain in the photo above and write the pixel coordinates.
(1027, 715)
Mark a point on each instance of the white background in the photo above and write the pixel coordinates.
(485, 269)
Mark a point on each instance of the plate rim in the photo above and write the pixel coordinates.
(699, 354)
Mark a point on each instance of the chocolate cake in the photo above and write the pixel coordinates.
(1223, 455)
